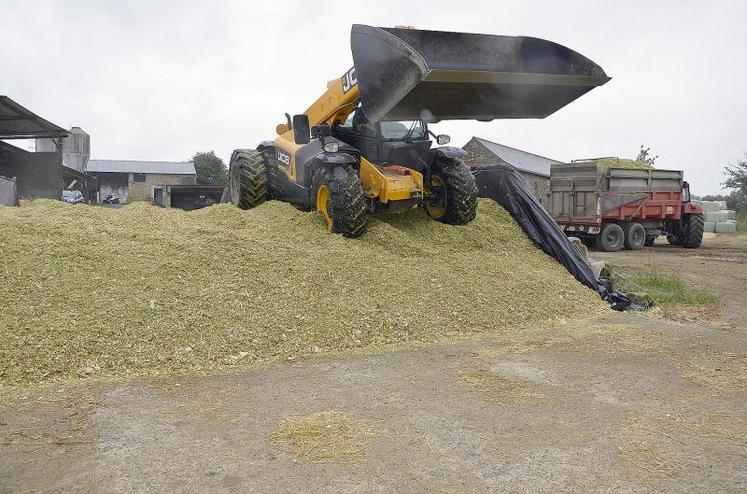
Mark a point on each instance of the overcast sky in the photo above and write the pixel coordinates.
(159, 80)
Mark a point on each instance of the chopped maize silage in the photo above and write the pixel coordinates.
(140, 290)
(322, 437)
(622, 163)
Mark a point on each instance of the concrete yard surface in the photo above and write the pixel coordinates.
(621, 404)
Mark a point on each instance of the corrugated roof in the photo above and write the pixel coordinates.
(16, 122)
(131, 166)
(529, 162)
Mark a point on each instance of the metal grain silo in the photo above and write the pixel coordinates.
(76, 149)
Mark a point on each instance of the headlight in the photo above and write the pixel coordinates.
(331, 147)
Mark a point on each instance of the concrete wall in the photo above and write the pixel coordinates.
(479, 155)
(143, 191)
(123, 185)
(38, 175)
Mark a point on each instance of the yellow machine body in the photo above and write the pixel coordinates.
(384, 183)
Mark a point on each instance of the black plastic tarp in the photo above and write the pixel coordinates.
(505, 185)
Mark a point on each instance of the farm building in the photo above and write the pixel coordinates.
(58, 159)
(533, 167)
(140, 180)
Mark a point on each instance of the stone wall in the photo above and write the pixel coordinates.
(479, 155)
(143, 191)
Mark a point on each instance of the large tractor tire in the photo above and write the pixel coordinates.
(455, 193)
(611, 238)
(248, 178)
(338, 194)
(693, 233)
(635, 236)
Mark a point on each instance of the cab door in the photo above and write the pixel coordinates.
(358, 132)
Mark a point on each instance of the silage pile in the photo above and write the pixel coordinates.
(88, 290)
(622, 163)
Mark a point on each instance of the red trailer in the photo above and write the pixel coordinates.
(623, 207)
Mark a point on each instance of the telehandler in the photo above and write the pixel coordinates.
(364, 146)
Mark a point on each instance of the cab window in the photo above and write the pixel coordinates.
(357, 123)
(410, 129)
(347, 125)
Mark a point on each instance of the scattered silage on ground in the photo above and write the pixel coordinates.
(322, 437)
(498, 389)
(144, 290)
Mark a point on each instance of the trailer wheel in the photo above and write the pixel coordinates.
(693, 234)
(635, 236)
(611, 238)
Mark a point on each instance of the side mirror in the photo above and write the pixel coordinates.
(442, 139)
(301, 132)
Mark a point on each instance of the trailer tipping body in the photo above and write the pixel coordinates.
(642, 203)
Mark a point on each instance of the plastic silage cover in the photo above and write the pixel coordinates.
(506, 186)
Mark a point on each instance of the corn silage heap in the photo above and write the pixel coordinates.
(145, 290)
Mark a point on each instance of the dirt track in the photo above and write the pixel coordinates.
(627, 403)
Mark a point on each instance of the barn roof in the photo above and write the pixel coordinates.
(16, 122)
(523, 160)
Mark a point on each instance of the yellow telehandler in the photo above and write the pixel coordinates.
(364, 145)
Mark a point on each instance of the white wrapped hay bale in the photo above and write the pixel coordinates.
(710, 206)
(722, 215)
(732, 214)
(710, 216)
(726, 226)
(721, 204)
(709, 226)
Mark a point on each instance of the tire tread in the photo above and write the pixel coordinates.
(251, 188)
(461, 192)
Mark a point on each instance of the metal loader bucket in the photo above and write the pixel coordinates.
(408, 74)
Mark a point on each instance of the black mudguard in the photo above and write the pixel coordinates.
(308, 160)
(448, 153)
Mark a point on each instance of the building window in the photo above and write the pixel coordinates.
(138, 177)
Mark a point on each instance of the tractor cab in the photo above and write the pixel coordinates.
(403, 143)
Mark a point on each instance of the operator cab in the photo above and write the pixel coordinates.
(403, 143)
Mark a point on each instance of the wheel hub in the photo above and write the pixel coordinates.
(322, 204)
(435, 203)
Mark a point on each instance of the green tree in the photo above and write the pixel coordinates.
(645, 156)
(736, 181)
(210, 168)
